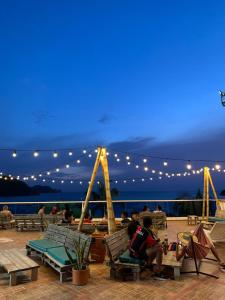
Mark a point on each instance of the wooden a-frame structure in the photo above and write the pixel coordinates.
(100, 159)
(208, 182)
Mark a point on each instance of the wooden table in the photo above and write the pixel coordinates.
(14, 261)
(170, 260)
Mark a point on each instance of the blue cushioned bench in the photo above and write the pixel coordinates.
(55, 236)
(57, 257)
(119, 256)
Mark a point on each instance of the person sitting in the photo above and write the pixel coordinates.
(87, 218)
(125, 220)
(158, 209)
(54, 210)
(67, 215)
(6, 212)
(146, 246)
(104, 219)
(133, 225)
(145, 208)
(41, 211)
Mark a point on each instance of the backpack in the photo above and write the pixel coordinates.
(139, 241)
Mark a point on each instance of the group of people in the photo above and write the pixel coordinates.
(66, 213)
(145, 245)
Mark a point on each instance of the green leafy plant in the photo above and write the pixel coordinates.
(79, 249)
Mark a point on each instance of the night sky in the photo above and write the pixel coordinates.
(136, 76)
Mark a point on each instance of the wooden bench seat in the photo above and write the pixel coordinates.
(29, 223)
(14, 261)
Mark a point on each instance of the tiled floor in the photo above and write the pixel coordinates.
(101, 287)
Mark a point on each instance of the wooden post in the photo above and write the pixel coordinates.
(110, 211)
(101, 158)
(90, 187)
(205, 206)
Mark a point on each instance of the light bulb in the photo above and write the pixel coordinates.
(142, 179)
(62, 181)
(145, 160)
(137, 166)
(53, 181)
(57, 170)
(71, 181)
(118, 159)
(36, 154)
(55, 154)
(78, 161)
(146, 169)
(217, 166)
(14, 154)
(127, 157)
(48, 173)
(84, 151)
(67, 166)
(189, 166)
(165, 163)
(115, 155)
(70, 153)
(128, 163)
(89, 155)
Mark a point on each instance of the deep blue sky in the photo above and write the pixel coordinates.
(112, 72)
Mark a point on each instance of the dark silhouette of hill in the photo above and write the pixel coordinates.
(15, 187)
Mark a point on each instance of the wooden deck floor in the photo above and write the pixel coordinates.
(101, 287)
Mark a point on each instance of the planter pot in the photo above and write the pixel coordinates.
(80, 277)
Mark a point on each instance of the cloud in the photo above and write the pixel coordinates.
(106, 118)
(42, 116)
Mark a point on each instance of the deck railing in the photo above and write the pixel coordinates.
(172, 207)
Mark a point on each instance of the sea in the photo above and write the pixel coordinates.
(97, 210)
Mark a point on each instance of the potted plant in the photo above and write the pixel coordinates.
(80, 270)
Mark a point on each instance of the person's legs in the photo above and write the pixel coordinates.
(155, 252)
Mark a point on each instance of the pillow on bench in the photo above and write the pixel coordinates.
(60, 255)
(44, 244)
(126, 258)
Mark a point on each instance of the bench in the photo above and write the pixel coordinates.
(29, 223)
(55, 236)
(14, 261)
(120, 261)
(58, 259)
(159, 220)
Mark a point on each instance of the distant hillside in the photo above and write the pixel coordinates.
(19, 188)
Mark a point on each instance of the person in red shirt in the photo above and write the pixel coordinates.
(146, 246)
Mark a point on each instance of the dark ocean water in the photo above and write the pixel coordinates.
(97, 209)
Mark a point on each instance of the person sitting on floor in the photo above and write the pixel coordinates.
(133, 225)
(146, 246)
(125, 220)
(6, 212)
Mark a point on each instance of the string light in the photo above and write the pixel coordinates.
(89, 155)
(115, 155)
(48, 173)
(137, 166)
(55, 154)
(70, 153)
(84, 151)
(145, 160)
(165, 163)
(189, 166)
(146, 169)
(217, 166)
(36, 154)
(14, 154)
(78, 161)
(67, 166)
(57, 170)
(127, 157)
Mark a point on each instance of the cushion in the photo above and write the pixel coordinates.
(215, 219)
(44, 244)
(60, 255)
(126, 258)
